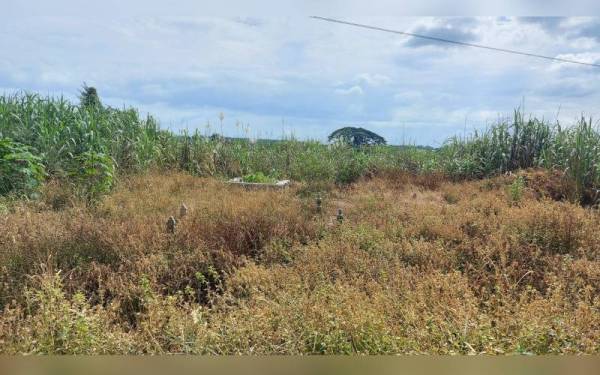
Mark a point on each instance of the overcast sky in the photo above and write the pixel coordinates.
(279, 75)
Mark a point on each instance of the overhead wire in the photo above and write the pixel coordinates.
(444, 40)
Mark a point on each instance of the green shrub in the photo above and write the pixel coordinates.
(351, 167)
(258, 177)
(93, 174)
(515, 190)
(21, 171)
(313, 165)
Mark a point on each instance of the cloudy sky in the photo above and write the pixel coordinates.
(279, 75)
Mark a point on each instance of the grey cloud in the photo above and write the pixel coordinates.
(572, 88)
(549, 24)
(266, 70)
(250, 21)
(555, 25)
(458, 30)
(590, 30)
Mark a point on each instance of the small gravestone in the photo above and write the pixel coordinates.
(319, 201)
(171, 225)
(183, 210)
(238, 181)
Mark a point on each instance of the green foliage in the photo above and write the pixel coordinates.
(356, 137)
(351, 165)
(21, 171)
(515, 190)
(576, 151)
(60, 131)
(94, 174)
(258, 177)
(64, 134)
(503, 147)
(530, 143)
(88, 97)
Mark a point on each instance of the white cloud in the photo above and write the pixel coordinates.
(262, 70)
(585, 57)
(374, 79)
(354, 90)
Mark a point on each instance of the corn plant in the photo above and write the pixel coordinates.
(93, 174)
(21, 171)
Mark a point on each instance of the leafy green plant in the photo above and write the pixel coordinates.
(576, 151)
(94, 174)
(89, 97)
(351, 166)
(515, 190)
(59, 129)
(258, 177)
(21, 171)
(505, 146)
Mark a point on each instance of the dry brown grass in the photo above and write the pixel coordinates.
(417, 266)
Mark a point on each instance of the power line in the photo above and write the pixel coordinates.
(454, 41)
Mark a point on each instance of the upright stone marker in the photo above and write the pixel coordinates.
(171, 225)
(183, 210)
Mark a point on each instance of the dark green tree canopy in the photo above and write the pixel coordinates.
(215, 137)
(356, 137)
(89, 97)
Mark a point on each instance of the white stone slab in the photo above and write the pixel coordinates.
(281, 184)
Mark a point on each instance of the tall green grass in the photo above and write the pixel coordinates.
(576, 151)
(290, 158)
(61, 134)
(60, 131)
(525, 143)
(506, 146)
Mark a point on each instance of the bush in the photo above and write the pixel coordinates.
(351, 167)
(515, 190)
(93, 174)
(258, 177)
(21, 171)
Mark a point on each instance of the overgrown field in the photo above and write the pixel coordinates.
(418, 265)
(90, 145)
(485, 245)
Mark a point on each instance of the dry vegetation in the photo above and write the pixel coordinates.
(419, 265)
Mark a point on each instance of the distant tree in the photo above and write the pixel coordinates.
(215, 137)
(356, 137)
(88, 97)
